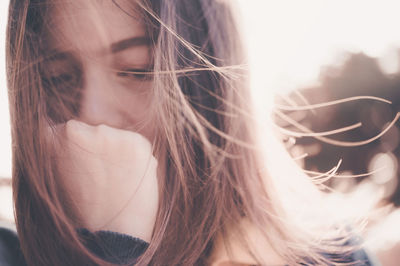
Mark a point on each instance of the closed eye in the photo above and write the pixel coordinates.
(65, 77)
(63, 81)
(139, 74)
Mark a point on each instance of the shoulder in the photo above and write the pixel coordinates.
(10, 251)
(350, 252)
(357, 253)
(121, 248)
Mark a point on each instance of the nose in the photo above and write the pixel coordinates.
(98, 106)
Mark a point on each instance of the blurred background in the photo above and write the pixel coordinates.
(303, 53)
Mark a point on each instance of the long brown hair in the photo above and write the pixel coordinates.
(215, 174)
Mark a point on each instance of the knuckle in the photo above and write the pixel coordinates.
(102, 128)
(70, 126)
(72, 130)
(103, 133)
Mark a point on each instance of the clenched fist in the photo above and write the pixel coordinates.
(111, 177)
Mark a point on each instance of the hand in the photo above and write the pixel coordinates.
(110, 176)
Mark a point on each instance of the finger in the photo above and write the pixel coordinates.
(62, 137)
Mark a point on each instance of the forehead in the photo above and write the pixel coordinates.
(91, 26)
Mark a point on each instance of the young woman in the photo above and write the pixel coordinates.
(134, 140)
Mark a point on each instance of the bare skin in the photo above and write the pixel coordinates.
(106, 156)
(112, 177)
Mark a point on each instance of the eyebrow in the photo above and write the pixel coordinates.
(128, 43)
(56, 55)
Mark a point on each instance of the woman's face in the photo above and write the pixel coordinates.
(96, 43)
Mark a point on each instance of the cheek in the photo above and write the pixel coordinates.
(137, 101)
(136, 108)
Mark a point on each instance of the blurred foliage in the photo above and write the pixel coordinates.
(360, 75)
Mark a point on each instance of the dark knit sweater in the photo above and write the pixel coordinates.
(120, 248)
(110, 246)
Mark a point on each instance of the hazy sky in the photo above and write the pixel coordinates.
(289, 41)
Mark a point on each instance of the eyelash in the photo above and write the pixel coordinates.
(68, 79)
(64, 79)
(133, 73)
